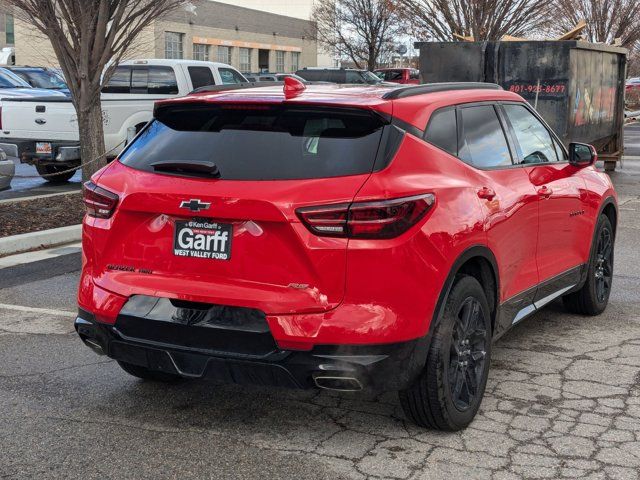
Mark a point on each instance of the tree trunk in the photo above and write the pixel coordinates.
(91, 139)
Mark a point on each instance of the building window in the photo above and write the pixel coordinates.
(173, 45)
(201, 52)
(245, 59)
(10, 39)
(295, 61)
(224, 54)
(279, 61)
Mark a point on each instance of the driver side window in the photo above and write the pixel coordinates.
(535, 144)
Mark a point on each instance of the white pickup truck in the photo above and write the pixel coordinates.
(44, 131)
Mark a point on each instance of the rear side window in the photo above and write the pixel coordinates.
(162, 81)
(261, 142)
(153, 80)
(534, 140)
(414, 75)
(442, 130)
(201, 77)
(483, 143)
(120, 81)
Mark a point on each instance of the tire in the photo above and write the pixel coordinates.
(146, 374)
(434, 400)
(593, 297)
(49, 169)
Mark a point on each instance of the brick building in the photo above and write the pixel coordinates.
(250, 40)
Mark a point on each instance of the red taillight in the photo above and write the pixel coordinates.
(98, 202)
(378, 219)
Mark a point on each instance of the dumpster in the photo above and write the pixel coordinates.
(577, 87)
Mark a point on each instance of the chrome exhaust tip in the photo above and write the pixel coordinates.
(339, 384)
(93, 345)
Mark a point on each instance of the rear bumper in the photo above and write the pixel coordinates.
(387, 367)
(25, 149)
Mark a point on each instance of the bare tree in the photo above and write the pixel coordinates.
(360, 30)
(607, 20)
(89, 38)
(480, 19)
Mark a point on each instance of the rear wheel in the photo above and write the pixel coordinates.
(593, 297)
(146, 374)
(447, 394)
(50, 170)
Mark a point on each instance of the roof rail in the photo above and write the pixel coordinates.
(410, 91)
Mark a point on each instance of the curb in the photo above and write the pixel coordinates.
(35, 197)
(34, 240)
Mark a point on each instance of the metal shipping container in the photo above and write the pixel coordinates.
(577, 87)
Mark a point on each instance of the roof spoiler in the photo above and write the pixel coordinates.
(410, 91)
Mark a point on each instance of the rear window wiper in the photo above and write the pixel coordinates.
(198, 168)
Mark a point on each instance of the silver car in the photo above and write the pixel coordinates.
(7, 170)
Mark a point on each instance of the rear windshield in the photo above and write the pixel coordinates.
(261, 142)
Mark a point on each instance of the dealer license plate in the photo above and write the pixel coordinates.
(202, 239)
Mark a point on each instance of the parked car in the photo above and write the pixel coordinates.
(271, 77)
(8, 56)
(632, 92)
(339, 75)
(344, 238)
(41, 77)
(261, 77)
(7, 171)
(633, 83)
(399, 75)
(12, 86)
(281, 76)
(46, 134)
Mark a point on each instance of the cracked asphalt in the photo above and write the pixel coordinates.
(563, 399)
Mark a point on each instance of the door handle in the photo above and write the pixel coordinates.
(545, 191)
(486, 193)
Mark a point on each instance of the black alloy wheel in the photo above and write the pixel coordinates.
(593, 296)
(467, 355)
(449, 390)
(604, 264)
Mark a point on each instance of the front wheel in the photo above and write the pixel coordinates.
(447, 394)
(593, 297)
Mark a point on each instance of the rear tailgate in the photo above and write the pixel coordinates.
(244, 245)
(39, 119)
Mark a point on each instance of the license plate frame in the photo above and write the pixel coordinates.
(202, 238)
(44, 148)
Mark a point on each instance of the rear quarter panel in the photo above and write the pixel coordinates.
(405, 275)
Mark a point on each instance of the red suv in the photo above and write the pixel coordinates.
(339, 237)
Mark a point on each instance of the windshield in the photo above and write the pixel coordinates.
(261, 142)
(9, 80)
(42, 79)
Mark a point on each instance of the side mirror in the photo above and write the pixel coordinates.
(582, 154)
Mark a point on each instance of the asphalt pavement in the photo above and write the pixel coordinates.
(563, 399)
(27, 182)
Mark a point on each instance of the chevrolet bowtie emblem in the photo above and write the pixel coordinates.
(195, 205)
